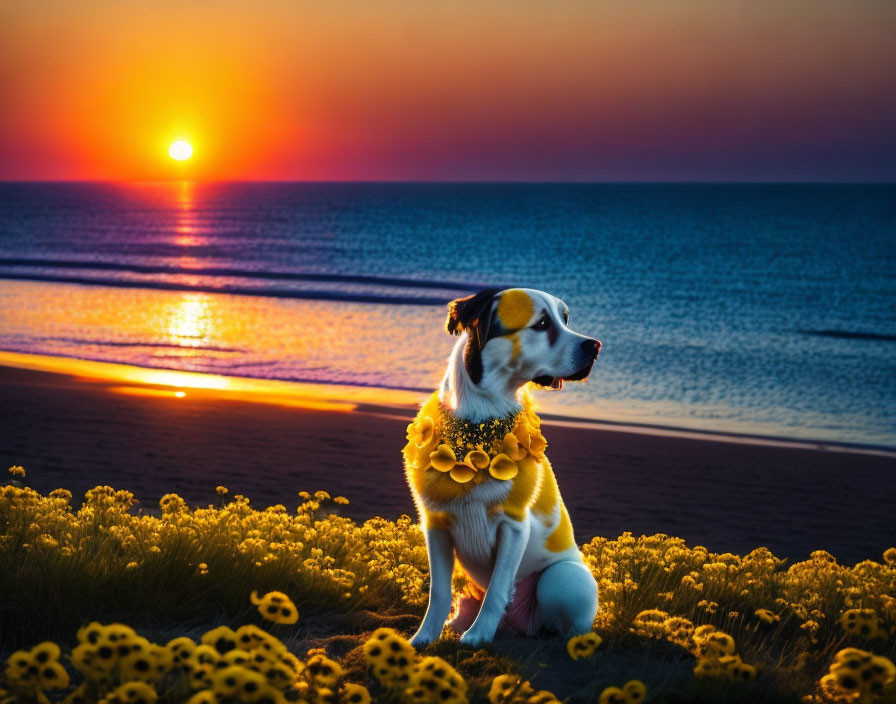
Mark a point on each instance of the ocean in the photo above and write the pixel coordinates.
(758, 309)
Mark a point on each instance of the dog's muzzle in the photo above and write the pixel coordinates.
(590, 349)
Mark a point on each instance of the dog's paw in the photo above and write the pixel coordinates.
(475, 636)
(420, 640)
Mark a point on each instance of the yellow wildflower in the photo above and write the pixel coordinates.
(433, 680)
(861, 622)
(172, 503)
(222, 639)
(322, 671)
(389, 657)
(132, 693)
(767, 616)
(276, 607)
(17, 471)
(504, 688)
(583, 646)
(612, 695)
(634, 691)
(352, 693)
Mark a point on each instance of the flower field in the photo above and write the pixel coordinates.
(110, 602)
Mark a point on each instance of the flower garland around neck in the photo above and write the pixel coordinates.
(437, 439)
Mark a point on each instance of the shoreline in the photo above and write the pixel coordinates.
(75, 432)
(372, 399)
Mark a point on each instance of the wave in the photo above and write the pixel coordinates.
(314, 295)
(851, 335)
(243, 273)
(163, 345)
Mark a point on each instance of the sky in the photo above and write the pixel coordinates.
(406, 90)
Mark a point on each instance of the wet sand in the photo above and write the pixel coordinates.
(76, 432)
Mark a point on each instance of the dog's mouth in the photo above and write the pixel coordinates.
(556, 382)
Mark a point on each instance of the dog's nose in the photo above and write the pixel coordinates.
(591, 347)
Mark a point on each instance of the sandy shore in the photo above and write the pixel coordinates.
(76, 432)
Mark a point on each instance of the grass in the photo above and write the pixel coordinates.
(183, 571)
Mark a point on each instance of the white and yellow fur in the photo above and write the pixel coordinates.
(502, 531)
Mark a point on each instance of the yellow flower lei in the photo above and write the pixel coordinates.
(438, 440)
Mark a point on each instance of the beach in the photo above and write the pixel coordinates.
(728, 494)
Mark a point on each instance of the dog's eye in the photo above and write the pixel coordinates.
(542, 324)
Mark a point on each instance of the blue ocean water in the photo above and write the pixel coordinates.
(764, 309)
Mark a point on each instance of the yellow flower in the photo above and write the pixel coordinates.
(389, 657)
(276, 607)
(861, 622)
(206, 696)
(477, 459)
(434, 680)
(612, 695)
(221, 490)
(172, 503)
(537, 443)
(512, 448)
(461, 473)
(634, 691)
(502, 467)
(507, 688)
(240, 683)
(17, 471)
(889, 555)
(221, 639)
(421, 431)
(21, 668)
(132, 693)
(180, 649)
(767, 616)
(323, 672)
(743, 671)
(713, 644)
(137, 666)
(352, 693)
(708, 667)
(542, 697)
(859, 675)
(443, 459)
(583, 646)
(45, 652)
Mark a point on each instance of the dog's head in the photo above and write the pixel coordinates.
(519, 335)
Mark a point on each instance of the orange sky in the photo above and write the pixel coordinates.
(511, 89)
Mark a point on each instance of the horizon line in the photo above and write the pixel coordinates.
(522, 182)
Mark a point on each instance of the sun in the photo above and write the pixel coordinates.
(180, 150)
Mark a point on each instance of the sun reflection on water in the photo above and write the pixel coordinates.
(186, 229)
(190, 322)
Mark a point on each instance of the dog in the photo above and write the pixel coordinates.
(485, 493)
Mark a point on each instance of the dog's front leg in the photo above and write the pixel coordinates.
(440, 548)
(512, 539)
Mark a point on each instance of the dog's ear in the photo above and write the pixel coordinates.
(472, 315)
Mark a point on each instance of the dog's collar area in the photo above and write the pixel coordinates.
(464, 435)
(466, 451)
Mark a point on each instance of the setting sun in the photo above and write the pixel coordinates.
(180, 150)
